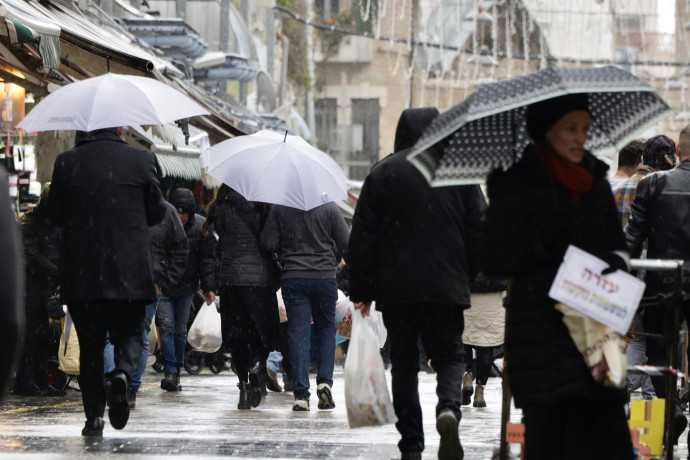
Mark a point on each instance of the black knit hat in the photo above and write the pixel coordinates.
(659, 153)
(541, 116)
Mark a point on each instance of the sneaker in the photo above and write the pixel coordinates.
(467, 390)
(300, 405)
(449, 447)
(323, 391)
(118, 414)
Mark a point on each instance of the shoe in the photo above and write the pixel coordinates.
(272, 381)
(132, 397)
(450, 447)
(93, 427)
(287, 385)
(177, 381)
(479, 397)
(243, 403)
(118, 414)
(411, 456)
(323, 391)
(254, 388)
(300, 405)
(168, 383)
(467, 390)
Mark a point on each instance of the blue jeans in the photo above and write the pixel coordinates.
(173, 315)
(109, 351)
(637, 354)
(306, 298)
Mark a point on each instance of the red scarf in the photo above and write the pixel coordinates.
(575, 177)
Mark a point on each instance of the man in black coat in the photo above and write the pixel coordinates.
(11, 286)
(105, 195)
(413, 250)
(659, 215)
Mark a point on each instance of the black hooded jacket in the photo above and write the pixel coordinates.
(169, 250)
(411, 243)
(201, 262)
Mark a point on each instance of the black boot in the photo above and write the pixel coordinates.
(255, 385)
(169, 383)
(243, 404)
(93, 427)
(177, 382)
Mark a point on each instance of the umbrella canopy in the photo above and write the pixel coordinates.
(109, 101)
(279, 169)
(488, 129)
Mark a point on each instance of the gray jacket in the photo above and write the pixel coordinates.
(305, 240)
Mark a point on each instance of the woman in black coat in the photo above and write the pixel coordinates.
(556, 195)
(248, 285)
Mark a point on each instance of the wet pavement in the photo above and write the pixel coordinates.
(202, 421)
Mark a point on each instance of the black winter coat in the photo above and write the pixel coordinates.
(170, 249)
(411, 243)
(530, 223)
(41, 240)
(238, 223)
(105, 194)
(11, 287)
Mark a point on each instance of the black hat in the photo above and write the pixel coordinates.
(541, 116)
(659, 153)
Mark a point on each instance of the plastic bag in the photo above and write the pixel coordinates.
(205, 334)
(367, 400)
(68, 350)
(343, 319)
(602, 348)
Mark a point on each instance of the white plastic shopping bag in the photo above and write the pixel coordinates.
(344, 309)
(205, 334)
(367, 400)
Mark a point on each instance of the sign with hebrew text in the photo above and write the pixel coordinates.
(611, 299)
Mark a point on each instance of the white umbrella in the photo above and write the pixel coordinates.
(279, 169)
(109, 101)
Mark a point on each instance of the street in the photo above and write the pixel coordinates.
(203, 421)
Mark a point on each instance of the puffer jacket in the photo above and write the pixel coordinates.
(201, 262)
(660, 214)
(238, 223)
(530, 222)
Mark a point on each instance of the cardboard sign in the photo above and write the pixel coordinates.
(610, 299)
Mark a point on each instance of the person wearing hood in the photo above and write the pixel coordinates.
(413, 250)
(176, 301)
(556, 195)
(248, 284)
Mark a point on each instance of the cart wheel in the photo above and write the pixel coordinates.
(158, 365)
(56, 378)
(193, 361)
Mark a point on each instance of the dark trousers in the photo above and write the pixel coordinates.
(33, 364)
(124, 321)
(440, 327)
(250, 325)
(480, 365)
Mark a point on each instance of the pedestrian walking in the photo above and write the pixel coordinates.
(104, 195)
(483, 335)
(554, 196)
(629, 160)
(304, 242)
(175, 302)
(11, 286)
(169, 250)
(413, 250)
(659, 216)
(248, 282)
(41, 253)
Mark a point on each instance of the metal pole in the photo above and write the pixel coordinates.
(283, 69)
(270, 44)
(309, 97)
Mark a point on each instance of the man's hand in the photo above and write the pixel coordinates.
(364, 306)
(210, 296)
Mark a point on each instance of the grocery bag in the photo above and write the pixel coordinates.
(602, 348)
(68, 350)
(367, 399)
(205, 334)
(343, 319)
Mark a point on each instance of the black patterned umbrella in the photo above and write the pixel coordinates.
(488, 129)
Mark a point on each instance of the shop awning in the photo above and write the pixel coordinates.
(182, 163)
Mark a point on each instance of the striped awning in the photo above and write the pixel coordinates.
(182, 163)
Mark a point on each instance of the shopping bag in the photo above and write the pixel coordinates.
(602, 348)
(153, 336)
(205, 334)
(68, 350)
(367, 399)
(343, 319)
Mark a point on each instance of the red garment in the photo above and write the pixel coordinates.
(575, 177)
